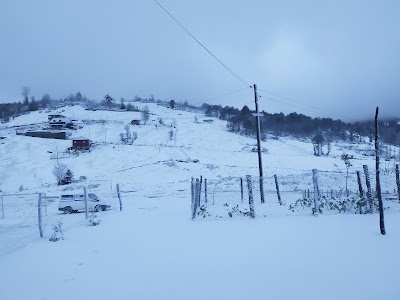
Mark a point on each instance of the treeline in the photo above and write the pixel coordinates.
(319, 130)
(301, 126)
(9, 110)
(29, 103)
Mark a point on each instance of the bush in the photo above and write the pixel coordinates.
(62, 174)
(58, 233)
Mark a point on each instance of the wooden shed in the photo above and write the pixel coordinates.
(81, 143)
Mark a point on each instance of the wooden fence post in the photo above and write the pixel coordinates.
(369, 191)
(192, 194)
(205, 190)
(316, 192)
(360, 188)
(86, 202)
(192, 188)
(200, 185)
(398, 181)
(241, 189)
(196, 189)
(378, 180)
(251, 200)
(119, 198)
(40, 215)
(277, 190)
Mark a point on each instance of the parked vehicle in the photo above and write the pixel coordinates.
(70, 203)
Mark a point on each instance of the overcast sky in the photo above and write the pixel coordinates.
(336, 59)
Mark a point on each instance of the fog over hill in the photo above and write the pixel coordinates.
(337, 60)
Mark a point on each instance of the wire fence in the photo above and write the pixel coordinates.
(28, 217)
(323, 193)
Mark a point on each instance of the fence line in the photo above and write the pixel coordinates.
(228, 194)
(30, 216)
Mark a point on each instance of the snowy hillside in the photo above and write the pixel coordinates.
(152, 249)
(219, 152)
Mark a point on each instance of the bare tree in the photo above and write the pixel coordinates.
(145, 114)
(128, 137)
(109, 100)
(347, 161)
(25, 91)
(60, 172)
(318, 141)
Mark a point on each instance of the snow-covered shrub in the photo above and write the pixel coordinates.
(128, 137)
(238, 211)
(58, 233)
(94, 220)
(223, 212)
(326, 204)
(60, 171)
(202, 211)
(63, 174)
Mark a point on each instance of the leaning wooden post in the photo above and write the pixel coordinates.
(398, 181)
(277, 190)
(197, 196)
(192, 194)
(378, 181)
(119, 198)
(40, 215)
(369, 191)
(241, 189)
(316, 193)
(251, 200)
(360, 188)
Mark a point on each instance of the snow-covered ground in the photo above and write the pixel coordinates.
(152, 249)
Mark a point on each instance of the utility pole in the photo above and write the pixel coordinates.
(257, 115)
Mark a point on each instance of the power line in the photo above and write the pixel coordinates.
(316, 109)
(204, 47)
(227, 94)
(288, 99)
(292, 105)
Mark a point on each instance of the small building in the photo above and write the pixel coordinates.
(61, 123)
(135, 122)
(81, 143)
(55, 116)
(60, 135)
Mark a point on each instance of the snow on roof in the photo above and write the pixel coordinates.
(80, 138)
